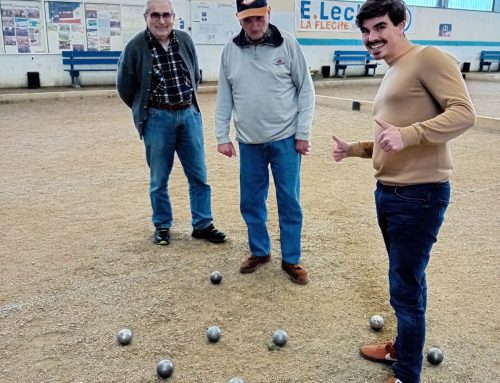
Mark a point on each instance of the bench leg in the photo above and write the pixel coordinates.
(75, 78)
(367, 71)
(484, 64)
(75, 82)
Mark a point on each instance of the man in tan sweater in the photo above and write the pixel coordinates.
(420, 106)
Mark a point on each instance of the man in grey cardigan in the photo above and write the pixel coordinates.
(158, 76)
(265, 85)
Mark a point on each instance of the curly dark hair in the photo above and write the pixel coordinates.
(396, 9)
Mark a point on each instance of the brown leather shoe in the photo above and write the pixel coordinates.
(252, 263)
(382, 353)
(298, 273)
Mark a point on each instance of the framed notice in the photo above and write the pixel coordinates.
(65, 29)
(213, 23)
(103, 27)
(132, 21)
(22, 29)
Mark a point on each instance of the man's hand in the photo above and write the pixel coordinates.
(227, 149)
(303, 147)
(390, 139)
(340, 149)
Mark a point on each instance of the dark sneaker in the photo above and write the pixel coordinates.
(252, 263)
(382, 353)
(210, 233)
(162, 236)
(298, 273)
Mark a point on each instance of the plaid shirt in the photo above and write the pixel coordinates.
(170, 83)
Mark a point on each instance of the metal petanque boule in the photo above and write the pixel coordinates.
(124, 336)
(376, 322)
(213, 334)
(165, 368)
(216, 277)
(435, 356)
(236, 380)
(280, 338)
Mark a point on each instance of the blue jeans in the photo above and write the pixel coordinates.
(410, 218)
(181, 131)
(285, 163)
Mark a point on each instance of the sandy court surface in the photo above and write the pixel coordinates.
(78, 262)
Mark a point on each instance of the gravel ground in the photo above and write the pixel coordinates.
(78, 262)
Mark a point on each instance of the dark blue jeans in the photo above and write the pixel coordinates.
(285, 163)
(167, 132)
(410, 218)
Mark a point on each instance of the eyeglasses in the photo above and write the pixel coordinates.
(155, 16)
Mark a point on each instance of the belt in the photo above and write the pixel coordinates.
(180, 106)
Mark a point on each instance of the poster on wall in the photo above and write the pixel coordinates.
(445, 30)
(213, 23)
(65, 29)
(333, 16)
(132, 21)
(22, 29)
(103, 27)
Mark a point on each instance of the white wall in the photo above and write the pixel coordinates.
(472, 32)
(209, 60)
(51, 72)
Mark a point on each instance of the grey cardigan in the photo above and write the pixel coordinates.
(135, 65)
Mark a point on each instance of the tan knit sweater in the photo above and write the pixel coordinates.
(424, 94)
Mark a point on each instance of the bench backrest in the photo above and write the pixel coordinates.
(78, 58)
(490, 55)
(352, 56)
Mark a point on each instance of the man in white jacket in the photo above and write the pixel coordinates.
(265, 85)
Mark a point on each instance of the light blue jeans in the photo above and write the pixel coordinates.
(285, 164)
(181, 131)
(410, 218)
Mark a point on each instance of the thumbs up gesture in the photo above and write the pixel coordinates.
(340, 149)
(389, 139)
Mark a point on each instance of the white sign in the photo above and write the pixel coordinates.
(332, 16)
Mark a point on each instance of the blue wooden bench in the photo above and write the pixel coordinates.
(343, 59)
(486, 59)
(89, 61)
